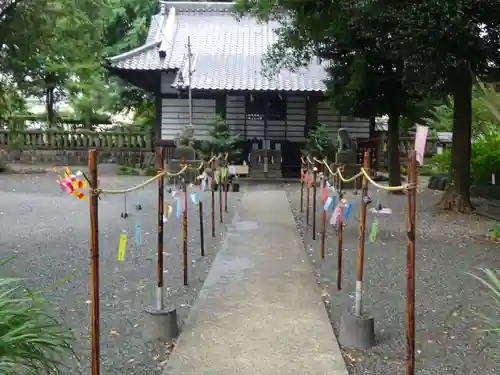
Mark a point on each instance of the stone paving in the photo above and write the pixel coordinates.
(260, 309)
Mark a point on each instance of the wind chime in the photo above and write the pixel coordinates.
(379, 211)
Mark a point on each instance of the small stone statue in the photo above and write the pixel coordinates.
(343, 140)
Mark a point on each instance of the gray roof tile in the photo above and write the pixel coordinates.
(244, 72)
(228, 51)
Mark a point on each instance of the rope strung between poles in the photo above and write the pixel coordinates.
(387, 188)
(363, 172)
(159, 175)
(355, 177)
(325, 163)
(141, 185)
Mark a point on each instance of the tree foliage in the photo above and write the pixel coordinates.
(445, 45)
(49, 43)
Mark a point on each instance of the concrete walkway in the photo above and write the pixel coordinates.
(260, 310)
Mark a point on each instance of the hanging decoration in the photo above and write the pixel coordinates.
(138, 205)
(331, 200)
(138, 234)
(347, 211)
(193, 198)
(374, 231)
(122, 247)
(124, 214)
(179, 207)
(71, 184)
(168, 213)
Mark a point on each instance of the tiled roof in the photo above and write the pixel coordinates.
(228, 51)
(245, 72)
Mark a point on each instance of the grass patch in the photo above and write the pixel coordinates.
(150, 171)
(31, 341)
(127, 171)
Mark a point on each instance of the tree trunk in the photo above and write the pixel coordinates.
(393, 150)
(49, 104)
(456, 196)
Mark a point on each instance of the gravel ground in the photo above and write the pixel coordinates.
(449, 332)
(49, 233)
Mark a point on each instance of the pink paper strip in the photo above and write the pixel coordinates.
(420, 140)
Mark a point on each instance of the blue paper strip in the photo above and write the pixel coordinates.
(179, 208)
(348, 211)
(327, 204)
(138, 234)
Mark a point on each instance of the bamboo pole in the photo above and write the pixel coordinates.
(221, 215)
(94, 266)
(159, 250)
(323, 218)
(361, 249)
(185, 235)
(226, 188)
(302, 188)
(410, 265)
(202, 237)
(315, 173)
(340, 230)
(308, 193)
(213, 200)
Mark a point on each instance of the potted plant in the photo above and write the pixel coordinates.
(221, 141)
(319, 144)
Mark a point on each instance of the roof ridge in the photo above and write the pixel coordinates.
(201, 6)
(167, 37)
(135, 51)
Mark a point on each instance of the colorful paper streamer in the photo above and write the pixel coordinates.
(168, 212)
(193, 198)
(374, 231)
(122, 247)
(179, 208)
(329, 202)
(335, 215)
(138, 234)
(348, 211)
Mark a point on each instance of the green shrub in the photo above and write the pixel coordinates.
(150, 171)
(319, 143)
(440, 163)
(31, 342)
(127, 171)
(485, 160)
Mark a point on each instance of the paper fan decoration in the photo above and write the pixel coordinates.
(71, 184)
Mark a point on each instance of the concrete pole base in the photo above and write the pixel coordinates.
(356, 332)
(160, 325)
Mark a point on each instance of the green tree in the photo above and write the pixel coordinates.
(126, 25)
(45, 50)
(92, 99)
(444, 44)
